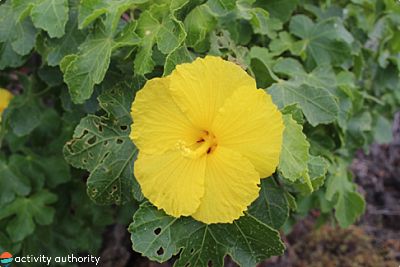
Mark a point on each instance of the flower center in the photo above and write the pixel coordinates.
(206, 144)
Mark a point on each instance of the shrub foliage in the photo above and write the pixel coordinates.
(332, 67)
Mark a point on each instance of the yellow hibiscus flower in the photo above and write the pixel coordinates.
(5, 98)
(206, 135)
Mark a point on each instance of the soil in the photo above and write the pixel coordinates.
(373, 242)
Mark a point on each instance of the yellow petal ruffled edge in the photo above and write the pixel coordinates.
(200, 88)
(157, 109)
(171, 182)
(231, 185)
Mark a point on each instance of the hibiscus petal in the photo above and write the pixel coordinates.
(5, 98)
(171, 181)
(231, 184)
(158, 122)
(250, 123)
(200, 88)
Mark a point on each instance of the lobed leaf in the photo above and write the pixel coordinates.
(88, 67)
(349, 204)
(11, 185)
(271, 207)
(51, 16)
(324, 41)
(294, 154)
(103, 147)
(309, 90)
(159, 236)
(27, 212)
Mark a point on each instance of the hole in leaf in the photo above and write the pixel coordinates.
(191, 251)
(90, 155)
(100, 128)
(114, 188)
(94, 191)
(84, 161)
(105, 143)
(157, 231)
(105, 156)
(119, 141)
(92, 140)
(123, 127)
(160, 251)
(187, 264)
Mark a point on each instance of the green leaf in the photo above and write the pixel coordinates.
(17, 38)
(22, 8)
(221, 44)
(170, 35)
(127, 36)
(324, 41)
(221, 7)
(117, 103)
(359, 127)
(51, 16)
(159, 237)
(280, 9)
(244, 8)
(56, 169)
(321, 77)
(11, 185)
(271, 207)
(147, 28)
(382, 130)
(27, 212)
(21, 123)
(115, 10)
(103, 147)
(179, 56)
(294, 154)
(349, 207)
(259, 20)
(88, 67)
(89, 10)
(28, 169)
(309, 91)
(8, 57)
(67, 44)
(24, 37)
(349, 204)
(317, 169)
(105, 150)
(263, 24)
(6, 21)
(64, 63)
(285, 42)
(198, 24)
(261, 61)
(296, 113)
